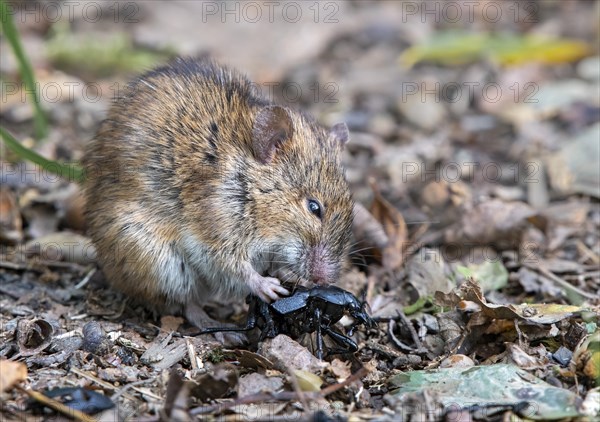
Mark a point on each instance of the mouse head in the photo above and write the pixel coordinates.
(301, 195)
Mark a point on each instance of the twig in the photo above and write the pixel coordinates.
(588, 252)
(35, 264)
(121, 391)
(565, 285)
(352, 378)
(399, 343)
(191, 350)
(296, 387)
(86, 279)
(13, 266)
(519, 332)
(283, 396)
(413, 333)
(109, 386)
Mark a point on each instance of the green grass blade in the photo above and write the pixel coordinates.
(71, 172)
(8, 27)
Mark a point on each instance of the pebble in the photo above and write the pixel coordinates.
(428, 114)
(589, 68)
(562, 356)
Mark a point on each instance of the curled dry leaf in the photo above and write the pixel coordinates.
(34, 336)
(427, 273)
(94, 338)
(11, 224)
(394, 226)
(177, 397)
(216, 383)
(11, 373)
(532, 313)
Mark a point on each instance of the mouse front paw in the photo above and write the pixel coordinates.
(267, 288)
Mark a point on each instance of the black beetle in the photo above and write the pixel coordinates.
(313, 310)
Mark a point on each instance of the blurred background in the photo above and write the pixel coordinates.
(451, 81)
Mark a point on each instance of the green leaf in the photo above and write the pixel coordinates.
(97, 58)
(492, 385)
(491, 275)
(458, 47)
(9, 30)
(71, 172)
(464, 271)
(451, 48)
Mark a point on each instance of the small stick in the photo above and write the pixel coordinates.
(86, 279)
(296, 387)
(109, 386)
(413, 332)
(564, 284)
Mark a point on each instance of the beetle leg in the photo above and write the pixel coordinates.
(319, 335)
(348, 345)
(254, 310)
(262, 309)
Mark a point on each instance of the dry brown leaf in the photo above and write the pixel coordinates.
(531, 313)
(177, 397)
(169, 323)
(427, 273)
(394, 226)
(492, 222)
(250, 360)
(340, 369)
(367, 229)
(11, 224)
(11, 373)
(216, 383)
(255, 383)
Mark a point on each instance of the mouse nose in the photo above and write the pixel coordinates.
(322, 271)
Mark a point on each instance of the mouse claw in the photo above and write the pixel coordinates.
(271, 289)
(267, 289)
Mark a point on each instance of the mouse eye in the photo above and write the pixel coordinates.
(315, 208)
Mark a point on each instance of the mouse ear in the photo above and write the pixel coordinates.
(272, 127)
(339, 134)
